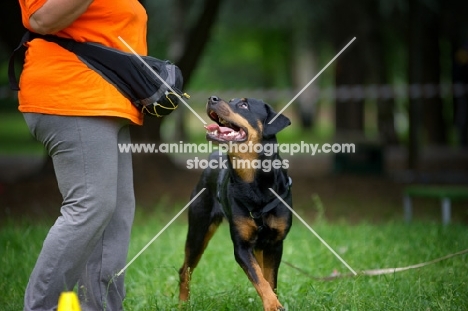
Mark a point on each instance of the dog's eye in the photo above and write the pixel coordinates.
(243, 105)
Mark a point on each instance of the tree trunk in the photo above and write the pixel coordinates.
(378, 74)
(455, 25)
(177, 45)
(349, 69)
(415, 76)
(197, 39)
(304, 68)
(434, 122)
(349, 113)
(193, 46)
(425, 107)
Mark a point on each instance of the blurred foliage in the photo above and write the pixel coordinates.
(244, 59)
(254, 43)
(250, 45)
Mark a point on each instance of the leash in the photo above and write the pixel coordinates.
(373, 272)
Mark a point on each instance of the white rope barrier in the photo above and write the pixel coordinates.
(346, 92)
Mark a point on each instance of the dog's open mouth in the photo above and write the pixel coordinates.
(223, 130)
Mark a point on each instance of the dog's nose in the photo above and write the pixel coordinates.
(213, 99)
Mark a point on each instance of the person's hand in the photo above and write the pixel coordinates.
(56, 15)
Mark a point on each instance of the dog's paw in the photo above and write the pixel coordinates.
(278, 307)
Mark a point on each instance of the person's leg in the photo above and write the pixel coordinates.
(85, 157)
(98, 288)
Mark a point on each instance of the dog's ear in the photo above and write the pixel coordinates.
(279, 123)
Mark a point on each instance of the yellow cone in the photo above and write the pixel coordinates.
(68, 301)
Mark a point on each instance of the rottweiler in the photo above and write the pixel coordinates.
(238, 189)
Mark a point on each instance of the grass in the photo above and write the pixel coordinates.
(219, 284)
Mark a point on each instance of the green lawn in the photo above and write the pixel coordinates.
(219, 284)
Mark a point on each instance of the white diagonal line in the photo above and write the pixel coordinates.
(315, 233)
(313, 79)
(159, 233)
(162, 80)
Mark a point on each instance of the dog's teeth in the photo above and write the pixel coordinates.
(231, 134)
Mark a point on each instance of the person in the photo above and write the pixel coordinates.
(81, 118)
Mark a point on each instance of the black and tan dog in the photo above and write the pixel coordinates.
(239, 190)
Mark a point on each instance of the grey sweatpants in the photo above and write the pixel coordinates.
(88, 243)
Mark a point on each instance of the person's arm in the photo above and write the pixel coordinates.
(56, 15)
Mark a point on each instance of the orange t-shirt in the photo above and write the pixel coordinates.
(55, 81)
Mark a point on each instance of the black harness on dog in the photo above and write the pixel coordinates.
(256, 215)
(273, 203)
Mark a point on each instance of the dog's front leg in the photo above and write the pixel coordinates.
(249, 264)
(243, 234)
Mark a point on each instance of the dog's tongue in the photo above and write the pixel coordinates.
(221, 129)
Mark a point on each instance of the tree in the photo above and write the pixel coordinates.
(378, 65)
(189, 46)
(348, 22)
(455, 29)
(425, 108)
